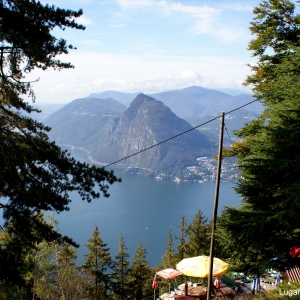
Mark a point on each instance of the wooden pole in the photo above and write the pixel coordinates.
(214, 220)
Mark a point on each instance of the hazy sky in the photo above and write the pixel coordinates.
(150, 46)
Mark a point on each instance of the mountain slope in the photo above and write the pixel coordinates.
(124, 98)
(81, 119)
(196, 101)
(193, 101)
(145, 123)
(233, 121)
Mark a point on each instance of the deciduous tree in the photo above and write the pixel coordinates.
(59, 277)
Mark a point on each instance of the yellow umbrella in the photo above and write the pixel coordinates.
(198, 266)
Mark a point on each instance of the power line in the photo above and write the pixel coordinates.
(171, 138)
(228, 134)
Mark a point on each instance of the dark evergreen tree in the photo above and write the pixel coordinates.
(182, 246)
(120, 274)
(141, 277)
(66, 255)
(198, 236)
(169, 258)
(20, 286)
(35, 174)
(276, 29)
(98, 263)
(267, 225)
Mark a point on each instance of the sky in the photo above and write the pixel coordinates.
(151, 46)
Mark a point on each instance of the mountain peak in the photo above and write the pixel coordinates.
(145, 123)
(140, 99)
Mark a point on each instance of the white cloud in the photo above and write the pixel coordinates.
(118, 25)
(184, 79)
(229, 35)
(84, 20)
(202, 12)
(239, 7)
(90, 42)
(167, 7)
(205, 18)
(96, 72)
(135, 3)
(61, 3)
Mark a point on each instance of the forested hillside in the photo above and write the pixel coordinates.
(261, 233)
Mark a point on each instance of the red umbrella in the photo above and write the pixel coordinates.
(154, 285)
(168, 274)
(295, 251)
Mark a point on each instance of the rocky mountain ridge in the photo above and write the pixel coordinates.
(145, 123)
(111, 134)
(110, 131)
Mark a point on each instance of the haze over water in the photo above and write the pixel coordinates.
(143, 209)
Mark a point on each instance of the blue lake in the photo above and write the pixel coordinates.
(143, 209)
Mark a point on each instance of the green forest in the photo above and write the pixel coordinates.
(50, 271)
(37, 176)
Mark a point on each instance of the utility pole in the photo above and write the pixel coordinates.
(214, 220)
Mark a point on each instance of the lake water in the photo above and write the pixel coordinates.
(143, 209)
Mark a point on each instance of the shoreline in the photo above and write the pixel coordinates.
(132, 170)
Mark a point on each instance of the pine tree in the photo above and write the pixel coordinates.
(120, 270)
(20, 286)
(169, 258)
(35, 174)
(98, 263)
(267, 224)
(140, 275)
(182, 245)
(276, 30)
(198, 236)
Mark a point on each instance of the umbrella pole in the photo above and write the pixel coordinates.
(212, 243)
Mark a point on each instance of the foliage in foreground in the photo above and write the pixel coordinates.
(35, 174)
(260, 233)
(51, 272)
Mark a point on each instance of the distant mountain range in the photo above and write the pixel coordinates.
(111, 131)
(110, 134)
(190, 102)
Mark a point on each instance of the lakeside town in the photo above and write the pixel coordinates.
(205, 171)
